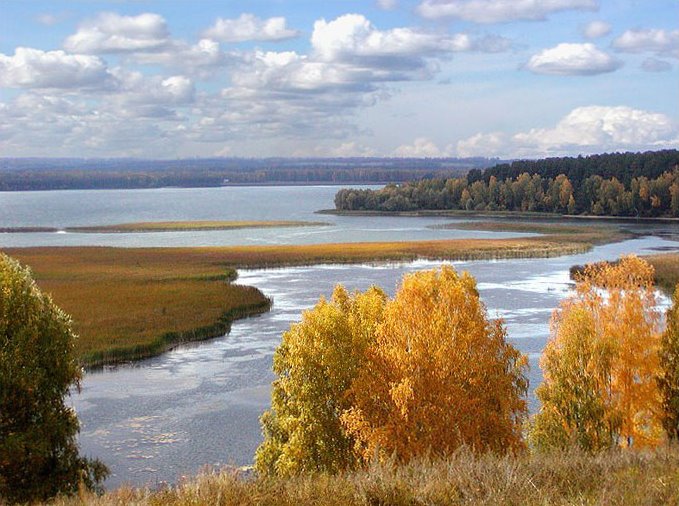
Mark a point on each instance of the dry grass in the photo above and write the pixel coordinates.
(573, 477)
(666, 270)
(131, 303)
(184, 226)
(584, 232)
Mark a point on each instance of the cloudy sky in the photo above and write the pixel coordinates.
(174, 78)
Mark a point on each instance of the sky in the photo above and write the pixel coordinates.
(396, 78)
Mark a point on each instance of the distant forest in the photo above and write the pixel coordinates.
(69, 173)
(618, 184)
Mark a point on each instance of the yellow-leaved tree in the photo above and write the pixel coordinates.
(601, 365)
(316, 363)
(438, 375)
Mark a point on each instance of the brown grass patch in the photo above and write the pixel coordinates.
(666, 270)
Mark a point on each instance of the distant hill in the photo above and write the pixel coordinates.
(83, 173)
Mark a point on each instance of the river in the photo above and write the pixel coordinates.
(159, 419)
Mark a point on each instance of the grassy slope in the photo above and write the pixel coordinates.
(130, 303)
(614, 478)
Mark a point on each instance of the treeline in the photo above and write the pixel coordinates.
(53, 174)
(629, 184)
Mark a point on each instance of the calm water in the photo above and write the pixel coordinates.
(165, 417)
(70, 208)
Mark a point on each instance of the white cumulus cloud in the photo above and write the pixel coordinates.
(572, 60)
(34, 68)
(420, 148)
(112, 33)
(596, 29)
(500, 11)
(661, 42)
(248, 27)
(352, 35)
(590, 129)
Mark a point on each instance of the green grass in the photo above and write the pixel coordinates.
(561, 478)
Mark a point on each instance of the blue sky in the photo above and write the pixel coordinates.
(173, 78)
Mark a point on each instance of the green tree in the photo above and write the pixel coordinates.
(316, 363)
(669, 370)
(38, 451)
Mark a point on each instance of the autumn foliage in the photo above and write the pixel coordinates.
(440, 375)
(421, 374)
(601, 366)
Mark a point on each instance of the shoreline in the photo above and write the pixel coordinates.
(165, 226)
(513, 215)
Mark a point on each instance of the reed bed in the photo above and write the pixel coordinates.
(128, 306)
(183, 226)
(559, 478)
(130, 303)
(666, 270)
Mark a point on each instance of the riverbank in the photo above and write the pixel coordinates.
(513, 215)
(563, 477)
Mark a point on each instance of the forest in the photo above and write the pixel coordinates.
(627, 184)
(25, 174)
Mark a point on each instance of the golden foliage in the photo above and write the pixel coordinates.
(601, 365)
(440, 375)
(316, 362)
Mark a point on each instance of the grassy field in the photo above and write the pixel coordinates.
(183, 226)
(130, 303)
(561, 478)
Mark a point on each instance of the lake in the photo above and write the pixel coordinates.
(159, 419)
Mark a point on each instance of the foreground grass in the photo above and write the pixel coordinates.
(183, 226)
(572, 477)
(130, 303)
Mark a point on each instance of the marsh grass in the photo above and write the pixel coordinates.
(666, 270)
(183, 226)
(559, 478)
(130, 303)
